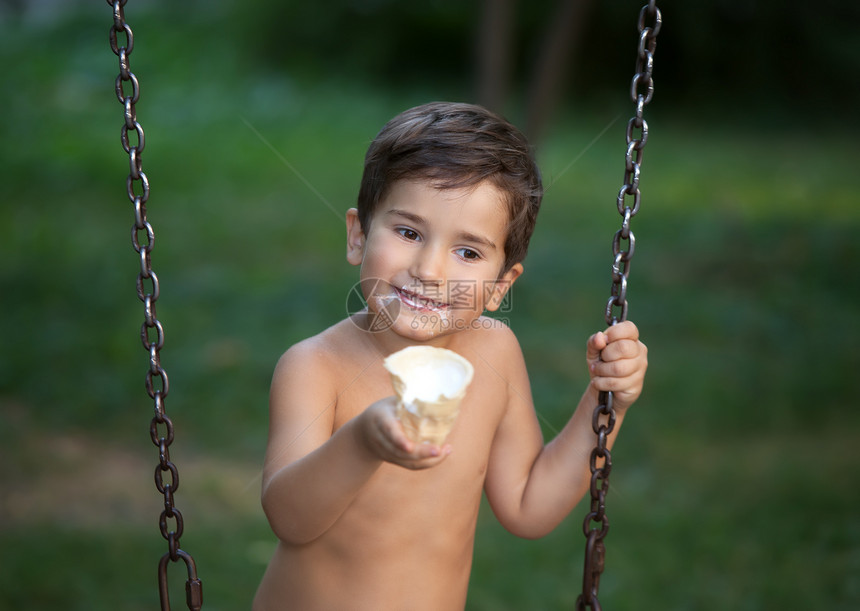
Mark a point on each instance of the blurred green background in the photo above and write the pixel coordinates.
(736, 479)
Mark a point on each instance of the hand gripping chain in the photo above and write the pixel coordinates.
(151, 332)
(596, 523)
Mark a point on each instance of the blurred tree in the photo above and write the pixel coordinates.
(771, 54)
(547, 73)
(553, 66)
(493, 53)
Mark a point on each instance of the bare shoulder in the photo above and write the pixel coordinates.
(494, 349)
(311, 354)
(304, 395)
(317, 356)
(499, 331)
(309, 374)
(495, 341)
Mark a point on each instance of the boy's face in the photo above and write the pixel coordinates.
(432, 259)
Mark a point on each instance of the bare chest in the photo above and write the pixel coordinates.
(459, 478)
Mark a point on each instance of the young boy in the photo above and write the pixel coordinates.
(366, 519)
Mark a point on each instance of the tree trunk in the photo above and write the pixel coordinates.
(552, 68)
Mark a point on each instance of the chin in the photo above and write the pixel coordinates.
(421, 327)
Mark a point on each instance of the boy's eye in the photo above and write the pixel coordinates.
(409, 234)
(469, 254)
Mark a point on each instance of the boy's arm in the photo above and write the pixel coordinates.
(532, 487)
(310, 475)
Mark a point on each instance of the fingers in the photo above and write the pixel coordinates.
(620, 349)
(423, 450)
(617, 361)
(623, 330)
(617, 342)
(420, 455)
(386, 438)
(619, 367)
(392, 442)
(596, 343)
(412, 455)
(626, 391)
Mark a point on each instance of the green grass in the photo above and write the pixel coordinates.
(735, 478)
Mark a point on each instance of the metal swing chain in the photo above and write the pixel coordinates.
(596, 523)
(151, 331)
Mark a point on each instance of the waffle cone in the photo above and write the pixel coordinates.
(421, 427)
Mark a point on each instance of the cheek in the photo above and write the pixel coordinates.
(469, 295)
(489, 293)
(378, 255)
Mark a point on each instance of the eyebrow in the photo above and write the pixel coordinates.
(466, 236)
(476, 239)
(415, 218)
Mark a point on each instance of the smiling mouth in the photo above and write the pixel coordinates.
(419, 302)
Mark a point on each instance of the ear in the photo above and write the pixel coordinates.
(355, 238)
(502, 286)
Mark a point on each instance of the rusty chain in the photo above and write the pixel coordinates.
(596, 523)
(151, 331)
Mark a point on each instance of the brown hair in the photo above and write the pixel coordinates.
(456, 146)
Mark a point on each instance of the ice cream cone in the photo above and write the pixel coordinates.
(430, 384)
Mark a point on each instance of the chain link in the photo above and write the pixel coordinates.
(161, 431)
(596, 523)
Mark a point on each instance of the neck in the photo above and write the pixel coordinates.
(385, 341)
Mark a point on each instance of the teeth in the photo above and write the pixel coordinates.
(414, 300)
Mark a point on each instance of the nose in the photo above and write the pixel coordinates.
(428, 265)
